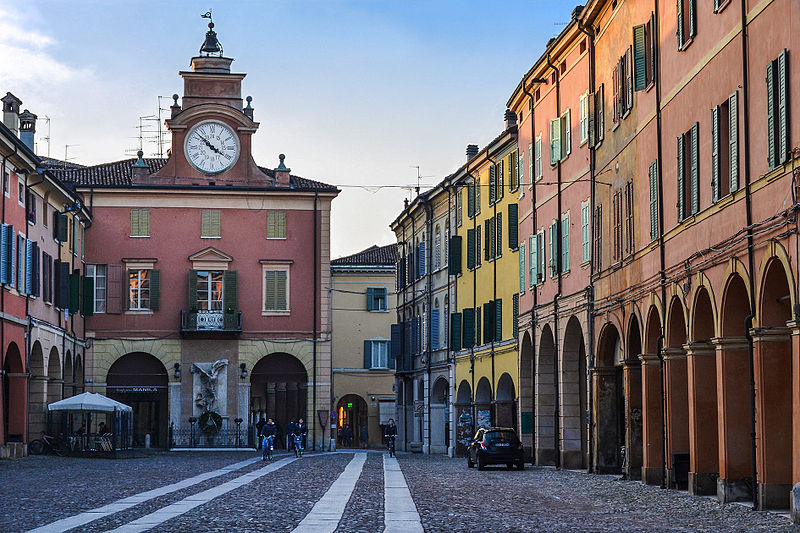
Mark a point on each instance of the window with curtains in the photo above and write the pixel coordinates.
(139, 289)
(209, 290)
(378, 355)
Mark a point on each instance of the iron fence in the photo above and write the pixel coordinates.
(192, 437)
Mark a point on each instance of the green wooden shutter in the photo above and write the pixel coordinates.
(692, 18)
(565, 243)
(783, 107)
(470, 249)
(87, 302)
(681, 179)
(193, 291)
(715, 147)
(499, 228)
(680, 16)
(468, 330)
(772, 159)
(653, 174)
(134, 223)
(470, 200)
(501, 179)
(533, 259)
(367, 354)
(62, 227)
(487, 246)
(230, 297)
(515, 316)
(488, 322)
(74, 291)
(155, 289)
(551, 234)
(492, 184)
(478, 245)
(640, 57)
(566, 134)
(454, 259)
(653, 46)
(555, 141)
(478, 326)
(513, 226)
(733, 140)
(498, 320)
(455, 331)
(695, 169)
(370, 298)
(522, 267)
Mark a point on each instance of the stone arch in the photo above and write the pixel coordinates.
(774, 256)
(676, 324)
(573, 405)
(351, 410)
(735, 307)
(677, 393)
(140, 380)
(544, 417)
(278, 390)
(483, 403)
(702, 396)
(439, 422)
(15, 392)
(78, 374)
(37, 407)
(652, 397)
(526, 392)
(55, 377)
(632, 388)
(609, 401)
(69, 376)
(706, 319)
(652, 330)
(506, 404)
(773, 377)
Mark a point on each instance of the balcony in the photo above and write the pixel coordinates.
(211, 324)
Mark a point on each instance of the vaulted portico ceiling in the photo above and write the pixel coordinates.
(210, 259)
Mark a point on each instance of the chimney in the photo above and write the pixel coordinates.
(282, 173)
(139, 170)
(510, 118)
(11, 112)
(27, 128)
(472, 151)
(248, 111)
(175, 108)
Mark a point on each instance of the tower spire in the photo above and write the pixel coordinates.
(211, 46)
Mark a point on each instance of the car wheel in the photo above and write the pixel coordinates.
(36, 447)
(481, 462)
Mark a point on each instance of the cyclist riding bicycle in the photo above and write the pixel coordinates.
(300, 431)
(268, 432)
(390, 433)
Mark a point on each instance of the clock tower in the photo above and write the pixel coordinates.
(212, 129)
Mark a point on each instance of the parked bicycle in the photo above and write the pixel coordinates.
(298, 446)
(50, 444)
(267, 446)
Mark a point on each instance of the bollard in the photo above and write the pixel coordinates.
(147, 441)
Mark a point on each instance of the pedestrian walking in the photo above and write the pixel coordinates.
(364, 437)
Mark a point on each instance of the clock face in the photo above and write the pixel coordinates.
(211, 146)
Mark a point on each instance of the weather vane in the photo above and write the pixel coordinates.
(207, 15)
(211, 46)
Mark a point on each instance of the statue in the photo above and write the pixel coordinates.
(206, 399)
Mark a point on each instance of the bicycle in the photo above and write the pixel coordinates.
(267, 448)
(390, 444)
(48, 443)
(298, 446)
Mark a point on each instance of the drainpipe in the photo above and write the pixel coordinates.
(405, 348)
(588, 419)
(429, 326)
(3, 320)
(533, 284)
(661, 252)
(494, 283)
(316, 315)
(750, 258)
(476, 341)
(557, 263)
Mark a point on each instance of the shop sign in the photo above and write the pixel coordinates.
(138, 390)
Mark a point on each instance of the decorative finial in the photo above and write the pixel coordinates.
(140, 162)
(281, 166)
(211, 46)
(250, 99)
(175, 99)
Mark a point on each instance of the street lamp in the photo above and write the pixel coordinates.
(177, 373)
(243, 368)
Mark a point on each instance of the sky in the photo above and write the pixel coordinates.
(356, 93)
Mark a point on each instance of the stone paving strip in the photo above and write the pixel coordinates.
(187, 504)
(364, 510)
(326, 513)
(126, 503)
(400, 512)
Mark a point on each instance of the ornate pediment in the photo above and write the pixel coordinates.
(210, 259)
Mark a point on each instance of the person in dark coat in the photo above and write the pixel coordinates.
(302, 430)
(364, 437)
(291, 427)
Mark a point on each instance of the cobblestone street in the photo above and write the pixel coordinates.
(342, 492)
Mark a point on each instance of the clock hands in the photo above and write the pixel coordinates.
(210, 145)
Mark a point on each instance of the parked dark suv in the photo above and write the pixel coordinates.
(493, 446)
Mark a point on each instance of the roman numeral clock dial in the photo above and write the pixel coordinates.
(211, 147)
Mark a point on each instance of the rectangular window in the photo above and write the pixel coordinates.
(209, 290)
(98, 274)
(21, 263)
(542, 271)
(140, 222)
(584, 117)
(210, 224)
(653, 178)
(520, 170)
(555, 141)
(276, 224)
(552, 238)
(380, 354)
(724, 148)
(459, 212)
(599, 115)
(6, 180)
(499, 229)
(477, 195)
(478, 245)
(538, 157)
(71, 226)
(533, 261)
(470, 200)
(74, 244)
(531, 171)
(20, 192)
(778, 131)
(629, 230)
(276, 290)
(31, 207)
(686, 22)
(585, 231)
(688, 173)
(377, 299)
(47, 278)
(565, 243)
(138, 290)
(643, 55)
(566, 134)
(598, 237)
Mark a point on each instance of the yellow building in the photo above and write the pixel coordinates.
(364, 301)
(484, 325)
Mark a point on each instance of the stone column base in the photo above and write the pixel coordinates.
(795, 503)
(634, 474)
(651, 475)
(734, 490)
(545, 456)
(702, 484)
(773, 495)
(572, 459)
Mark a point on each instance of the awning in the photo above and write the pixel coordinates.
(88, 401)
